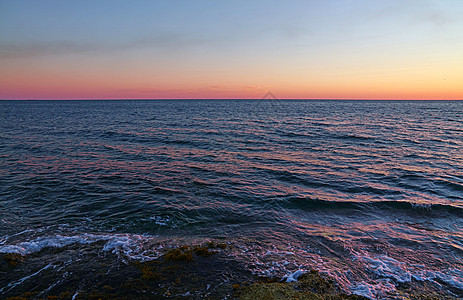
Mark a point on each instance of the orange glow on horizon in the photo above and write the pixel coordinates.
(342, 90)
(53, 83)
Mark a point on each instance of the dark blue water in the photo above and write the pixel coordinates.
(368, 192)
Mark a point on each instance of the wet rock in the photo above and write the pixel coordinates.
(310, 285)
(9, 260)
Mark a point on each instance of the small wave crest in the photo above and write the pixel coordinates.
(308, 203)
(391, 270)
(136, 247)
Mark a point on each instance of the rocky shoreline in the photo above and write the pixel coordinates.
(203, 271)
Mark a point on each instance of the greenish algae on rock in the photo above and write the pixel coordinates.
(204, 271)
(185, 253)
(310, 286)
(179, 255)
(13, 259)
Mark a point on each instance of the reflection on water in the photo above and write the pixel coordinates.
(369, 192)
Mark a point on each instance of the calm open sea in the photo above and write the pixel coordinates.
(369, 193)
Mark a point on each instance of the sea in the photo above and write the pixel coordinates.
(367, 193)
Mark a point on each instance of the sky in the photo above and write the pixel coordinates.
(312, 49)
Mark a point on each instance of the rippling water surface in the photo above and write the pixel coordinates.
(368, 192)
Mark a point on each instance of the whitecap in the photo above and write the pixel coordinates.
(293, 276)
(373, 291)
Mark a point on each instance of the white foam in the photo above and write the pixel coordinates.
(75, 295)
(38, 244)
(162, 221)
(118, 243)
(453, 277)
(121, 244)
(388, 267)
(373, 291)
(293, 276)
(132, 246)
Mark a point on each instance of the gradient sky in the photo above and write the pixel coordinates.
(334, 49)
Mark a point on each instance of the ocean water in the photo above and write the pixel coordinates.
(370, 193)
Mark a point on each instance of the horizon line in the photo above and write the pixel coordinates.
(257, 99)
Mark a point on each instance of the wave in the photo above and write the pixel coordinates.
(126, 245)
(308, 204)
(394, 271)
(354, 137)
(286, 262)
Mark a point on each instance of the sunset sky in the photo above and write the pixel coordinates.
(329, 49)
